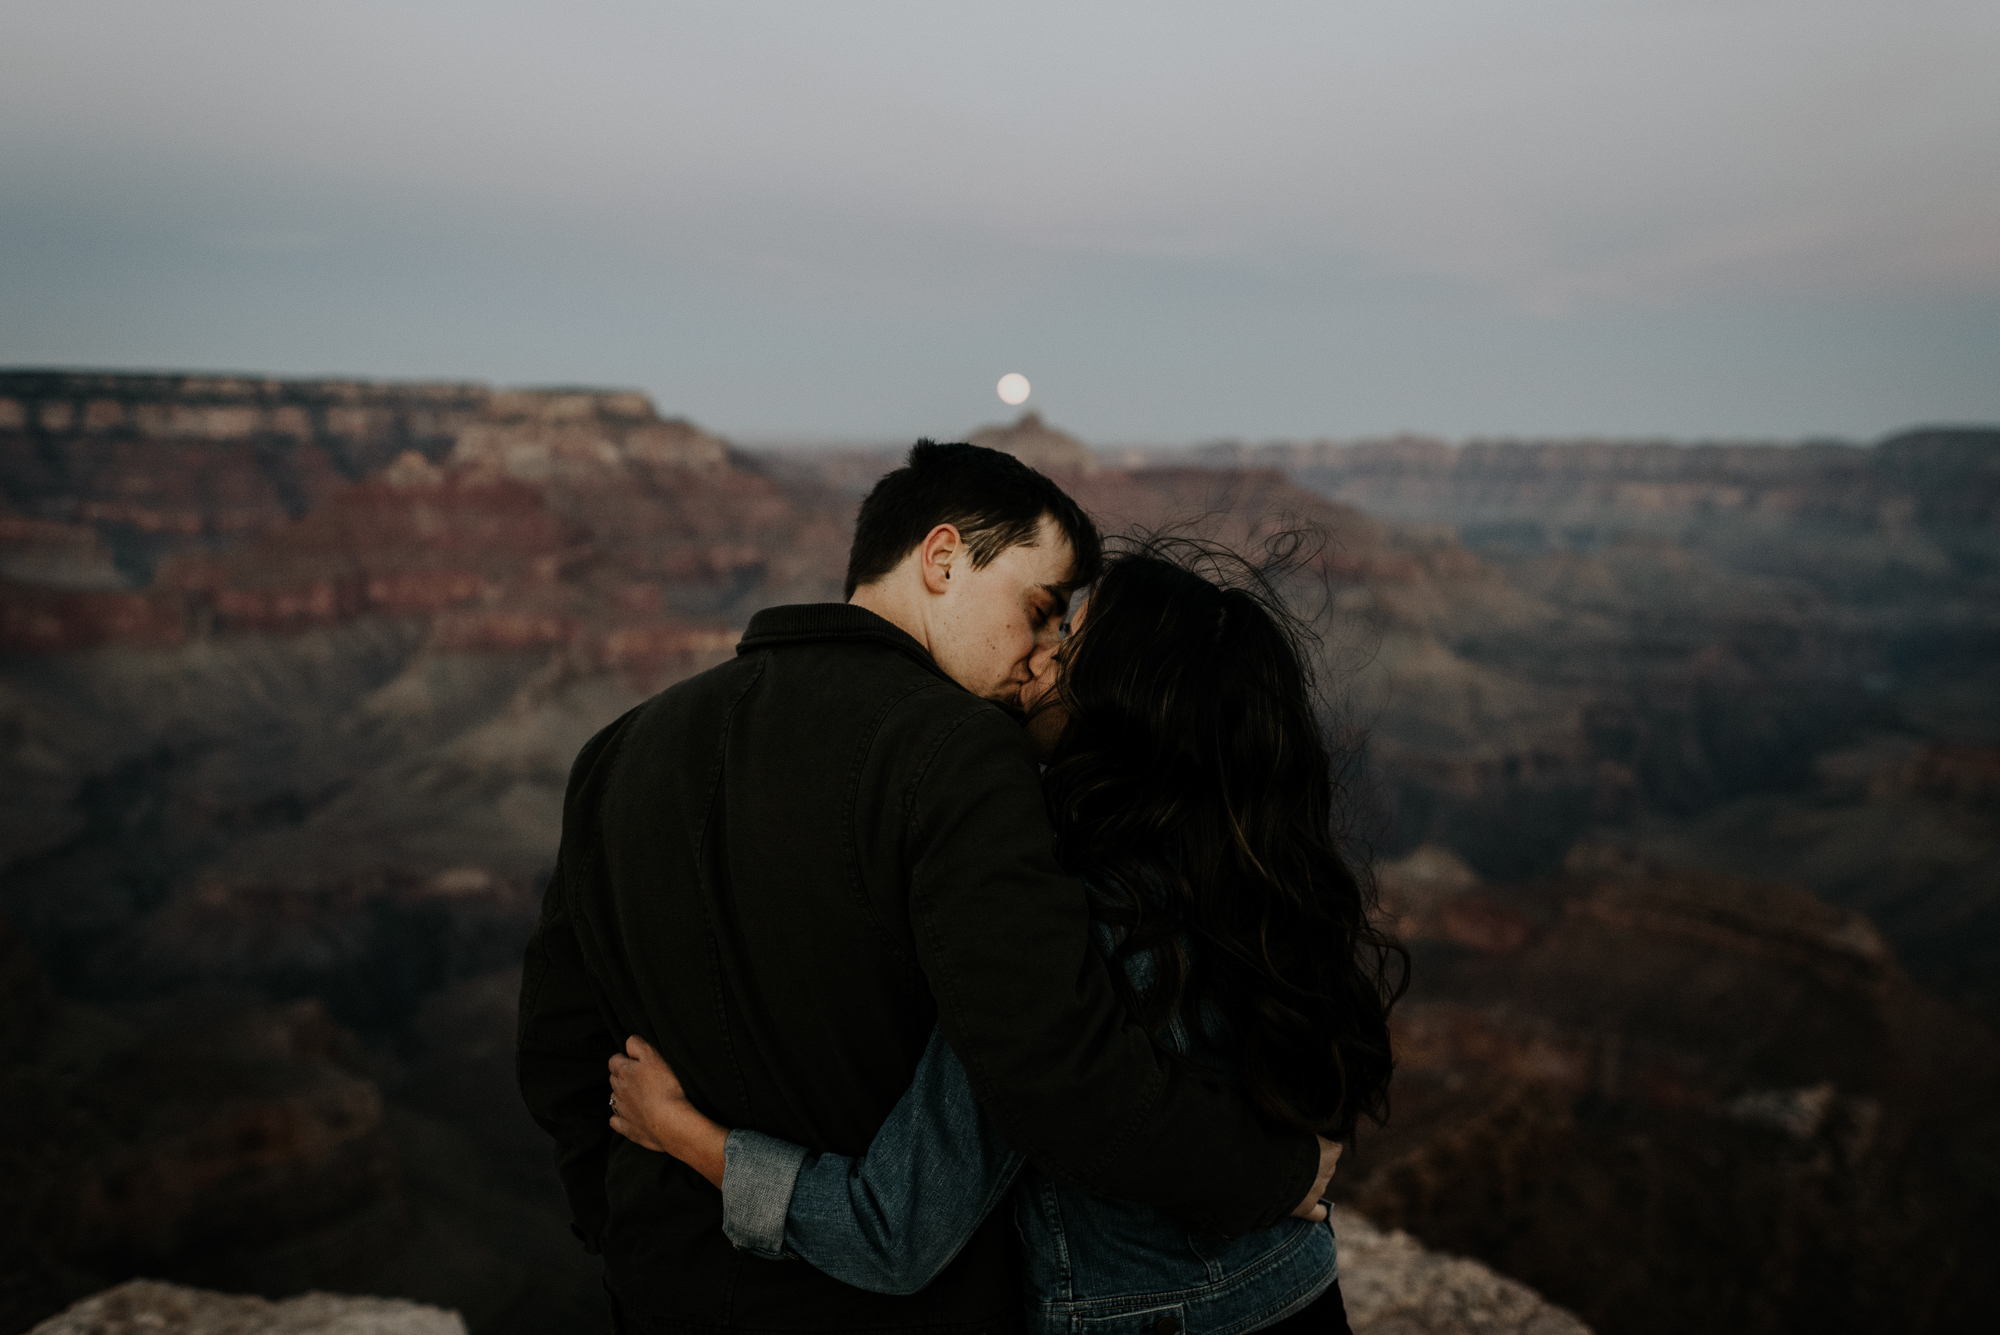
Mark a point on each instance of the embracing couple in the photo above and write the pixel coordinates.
(977, 955)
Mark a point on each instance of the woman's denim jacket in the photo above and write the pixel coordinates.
(892, 1219)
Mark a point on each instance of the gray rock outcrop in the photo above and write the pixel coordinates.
(148, 1307)
(1393, 1286)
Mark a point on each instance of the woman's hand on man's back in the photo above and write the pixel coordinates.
(650, 1109)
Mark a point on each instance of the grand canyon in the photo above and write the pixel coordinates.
(1677, 766)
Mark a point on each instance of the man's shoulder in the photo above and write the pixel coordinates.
(873, 671)
(885, 697)
(689, 697)
(958, 713)
(869, 691)
(828, 682)
(963, 742)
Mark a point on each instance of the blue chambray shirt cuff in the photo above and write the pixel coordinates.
(758, 1174)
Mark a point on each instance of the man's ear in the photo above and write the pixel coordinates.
(941, 549)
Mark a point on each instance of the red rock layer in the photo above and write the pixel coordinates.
(512, 520)
(163, 463)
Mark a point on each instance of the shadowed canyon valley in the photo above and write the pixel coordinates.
(1678, 766)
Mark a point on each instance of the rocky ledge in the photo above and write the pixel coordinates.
(148, 1307)
(1393, 1286)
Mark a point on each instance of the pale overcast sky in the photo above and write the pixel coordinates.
(1180, 221)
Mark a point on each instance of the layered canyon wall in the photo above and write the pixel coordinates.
(291, 674)
(1767, 645)
(1929, 477)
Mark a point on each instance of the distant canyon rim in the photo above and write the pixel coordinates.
(1678, 768)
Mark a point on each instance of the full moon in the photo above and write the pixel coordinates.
(1013, 388)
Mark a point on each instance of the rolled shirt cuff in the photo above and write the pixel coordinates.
(758, 1174)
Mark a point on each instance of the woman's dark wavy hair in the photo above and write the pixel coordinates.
(1195, 788)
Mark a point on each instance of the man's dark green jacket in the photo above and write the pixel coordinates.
(781, 873)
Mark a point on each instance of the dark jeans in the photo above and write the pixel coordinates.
(1326, 1316)
(626, 1322)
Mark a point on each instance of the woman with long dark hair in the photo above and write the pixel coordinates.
(1191, 787)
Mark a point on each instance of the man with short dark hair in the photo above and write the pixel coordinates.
(994, 501)
(782, 872)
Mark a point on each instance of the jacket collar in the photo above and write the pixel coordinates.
(804, 623)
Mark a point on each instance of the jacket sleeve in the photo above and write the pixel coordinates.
(1056, 1061)
(891, 1219)
(561, 1055)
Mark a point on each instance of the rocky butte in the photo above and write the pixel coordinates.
(1684, 802)
(1039, 445)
